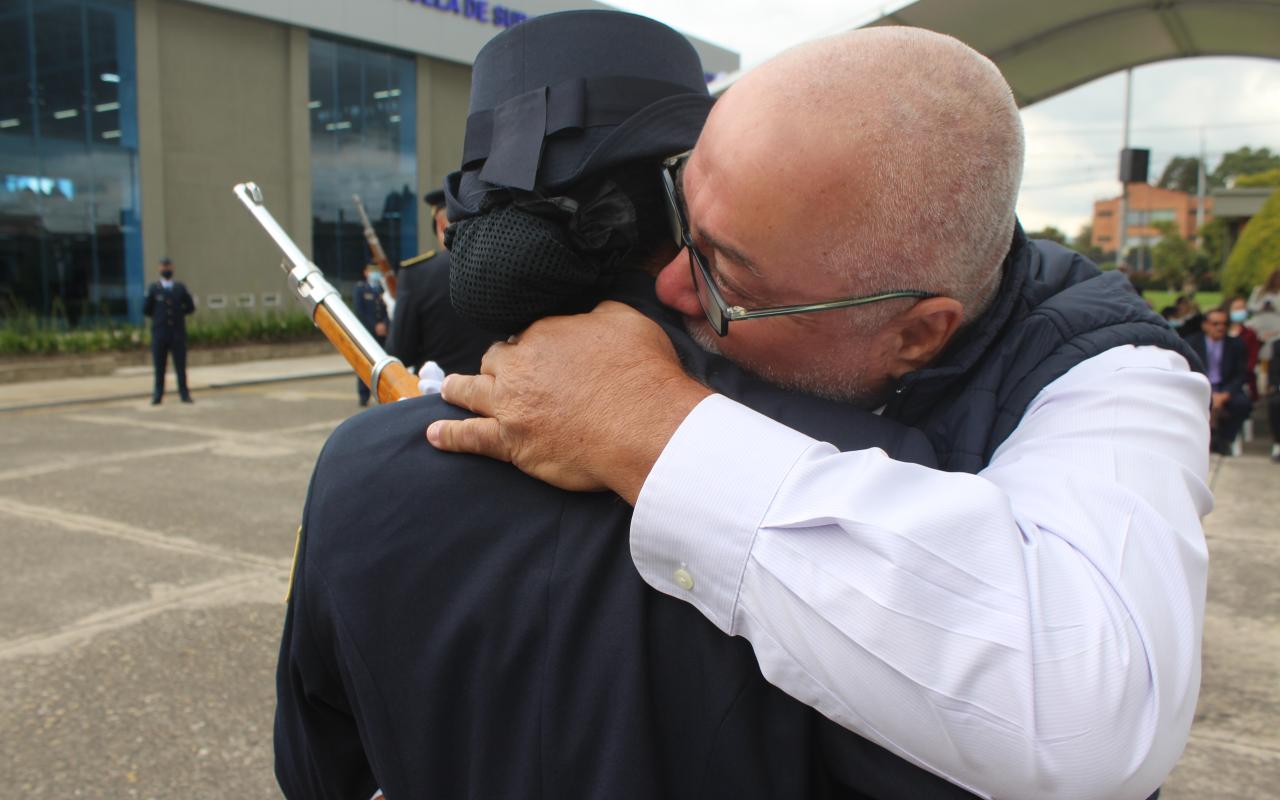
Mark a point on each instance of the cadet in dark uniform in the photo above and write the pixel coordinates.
(372, 313)
(425, 325)
(168, 303)
(459, 629)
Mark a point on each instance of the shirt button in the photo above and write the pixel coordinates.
(683, 579)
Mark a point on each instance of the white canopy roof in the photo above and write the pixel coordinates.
(1045, 47)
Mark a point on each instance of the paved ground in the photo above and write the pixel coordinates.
(146, 553)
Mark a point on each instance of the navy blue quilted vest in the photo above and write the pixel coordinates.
(1054, 309)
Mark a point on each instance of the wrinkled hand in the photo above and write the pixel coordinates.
(585, 402)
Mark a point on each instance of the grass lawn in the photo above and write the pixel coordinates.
(1159, 300)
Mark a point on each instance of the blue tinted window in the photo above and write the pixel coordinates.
(363, 143)
(70, 240)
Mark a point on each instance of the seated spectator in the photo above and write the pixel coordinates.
(1224, 360)
(1238, 314)
(1268, 292)
(1187, 311)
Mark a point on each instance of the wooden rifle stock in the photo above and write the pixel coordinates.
(386, 377)
(375, 247)
(394, 383)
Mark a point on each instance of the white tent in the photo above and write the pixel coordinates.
(1045, 48)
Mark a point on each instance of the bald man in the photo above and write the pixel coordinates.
(1024, 621)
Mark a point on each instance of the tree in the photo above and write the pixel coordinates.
(1269, 178)
(1244, 161)
(1213, 239)
(1049, 232)
(1181, 173)
(1083, 244)
(1257, 252)
(1172, 258)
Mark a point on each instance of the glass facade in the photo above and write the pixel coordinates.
(70, 237)
(363, 142)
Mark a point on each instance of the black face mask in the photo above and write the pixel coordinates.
(166, 274)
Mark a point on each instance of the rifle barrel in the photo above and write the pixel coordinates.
(383, 374)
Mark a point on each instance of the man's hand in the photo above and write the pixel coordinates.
(584, 403)
(1219, 400)
(379, 329)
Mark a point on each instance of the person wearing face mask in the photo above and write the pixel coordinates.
(1238, 315)
(372, 313)
(168, 303)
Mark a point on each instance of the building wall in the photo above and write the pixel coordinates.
(1146, 201)
(444, 92)
(223, 99)
(451, 30)
(219, 94)
(222, 92)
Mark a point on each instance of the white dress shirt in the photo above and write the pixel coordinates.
(1029, 631)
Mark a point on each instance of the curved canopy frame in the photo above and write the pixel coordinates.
(1046, 48)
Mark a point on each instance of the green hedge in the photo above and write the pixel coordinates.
(22, 333)
(1206, 300)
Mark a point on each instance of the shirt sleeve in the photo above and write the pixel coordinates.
(1028, 631)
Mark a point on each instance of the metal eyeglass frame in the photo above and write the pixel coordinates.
(721, 313)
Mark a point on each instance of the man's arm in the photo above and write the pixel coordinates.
(1032, 630)
(188, 303)
(533, 415)
(149, 305)
(1235, 359)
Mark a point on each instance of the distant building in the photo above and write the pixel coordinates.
(1148, 206)
(1236, 207)
(125, 123)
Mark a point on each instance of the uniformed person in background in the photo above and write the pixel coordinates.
(425, 325)
(372, 313)
(168, 303)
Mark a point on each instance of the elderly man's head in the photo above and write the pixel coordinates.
(879, 160)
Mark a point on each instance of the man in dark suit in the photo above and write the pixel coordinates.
(466, 630)
(1224, 360)
(168, 303)
(425, 324)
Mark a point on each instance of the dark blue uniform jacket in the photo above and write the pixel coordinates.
(168, 309)
(426, 326)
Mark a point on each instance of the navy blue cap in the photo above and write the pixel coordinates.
(563, 96)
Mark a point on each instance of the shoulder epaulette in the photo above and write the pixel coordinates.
(418, 259)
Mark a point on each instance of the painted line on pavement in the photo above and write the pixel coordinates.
(118, 530)
(252, 587)
(37, 470)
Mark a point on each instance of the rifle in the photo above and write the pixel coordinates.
(385, 376)
(375, 247)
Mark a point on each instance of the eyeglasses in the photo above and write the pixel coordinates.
(718, 312)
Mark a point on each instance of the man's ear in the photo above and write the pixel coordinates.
(922, 332)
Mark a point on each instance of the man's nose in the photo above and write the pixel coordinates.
(675, 286)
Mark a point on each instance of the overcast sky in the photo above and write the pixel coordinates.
(1074, 139)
